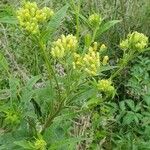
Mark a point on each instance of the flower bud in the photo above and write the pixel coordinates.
(95, 20)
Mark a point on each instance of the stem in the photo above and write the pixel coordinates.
(77, 12)
(77, 20)
(124, 63)
(94, 33)
(50, 68)
(51, 73)
(50, 118)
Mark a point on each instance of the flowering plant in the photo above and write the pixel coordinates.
(80, 83)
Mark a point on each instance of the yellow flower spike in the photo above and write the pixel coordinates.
(105, 86)
(91, 61)
(40, 144)
(95, 46)
(32, 14)
(67, 44)
(48, 12)
(105, 60)
(135, 41)
(95, 19)
(103, 48)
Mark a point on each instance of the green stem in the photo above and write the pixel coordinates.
(51, 73)
(50, 68)
(94, 33)
(124, 63)
(51, 117)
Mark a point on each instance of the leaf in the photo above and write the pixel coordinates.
(25, 144)
(65, 143)
(14, 84)
(55, 22)
(146, 98)
(92, 103)
(3, 62)
(106, 26)
(131, 104)
(122, 105)
(128, 118)
(107, 68)
(8, 20)
(28, 89)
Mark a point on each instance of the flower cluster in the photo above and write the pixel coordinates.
(91, 61)
(29, 16)
(94, 19)
(105, 60)
(63, 46)
(103, 48)
(136, 41)
(105, 86)
(12, 117)
(40, 144)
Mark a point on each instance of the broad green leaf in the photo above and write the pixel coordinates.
(28, 91)
(8, 20)
(122, 105)
(128, 118)
(106, 26)
(55, 22)
(146, 98)
(65, 143)
(131, 104)
(24, 144)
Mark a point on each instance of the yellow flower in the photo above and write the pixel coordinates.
(64, 46)
(105, 86)
(135, 41)
(105, 60)
(77, 63)
(91, 61)
(103, 48)
(29, 16)
(95, 19)
(40, 144)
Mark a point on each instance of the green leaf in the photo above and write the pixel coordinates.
(3, 62)
(122, 105)
(131, 104)
(55, 22)
(8, 20)
(14, 86)
(106, 26)
(28, 89)
(25, 144)
(65, 143)
(128, 118)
